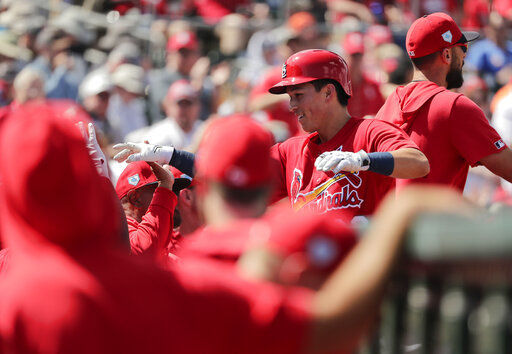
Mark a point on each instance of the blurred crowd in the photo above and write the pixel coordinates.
(158, 70)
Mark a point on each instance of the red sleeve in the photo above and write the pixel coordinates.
(386, 137)
(471, 133)
(278, 161)
(151, 235)
(260, 317)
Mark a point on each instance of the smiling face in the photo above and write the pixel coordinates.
(308, 105)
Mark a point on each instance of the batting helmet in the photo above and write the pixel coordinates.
(313, 64)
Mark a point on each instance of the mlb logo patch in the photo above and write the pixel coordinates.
(447, 36)
(499, 144)
(134, 180)
(411, 53)
(283, 72)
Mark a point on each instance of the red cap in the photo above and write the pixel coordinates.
(432, 33)
(236, 152)
(183, 39)
(135, 175)
(321, 241)
(181, 90)
(353, 43)
(181, 180)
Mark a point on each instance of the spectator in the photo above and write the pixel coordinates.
(181, 106)
(126, 109)
(366, 97)
(183, 53)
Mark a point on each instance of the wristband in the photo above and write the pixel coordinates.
(381, 162)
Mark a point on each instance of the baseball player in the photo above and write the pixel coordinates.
(449, 128)
(346, 162)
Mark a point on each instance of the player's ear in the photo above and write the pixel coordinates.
(446, 55)
(329, 90)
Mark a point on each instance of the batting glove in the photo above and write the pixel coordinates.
(132, 152)
(95, 152)
(337, 161)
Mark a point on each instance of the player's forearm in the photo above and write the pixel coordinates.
(409, 163)
(350, 299)
(183, 161)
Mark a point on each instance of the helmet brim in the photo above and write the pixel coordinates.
(281, 86)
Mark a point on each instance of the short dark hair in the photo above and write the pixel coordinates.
(423, 62)
(340, 93)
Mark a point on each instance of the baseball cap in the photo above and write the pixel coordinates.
(379, 34)
(181, 90)
(235, 151)
(432, 33)
(181, 180)
(135, 175)
(130, 77)
(182, 40)
(317, 241)
(353, 43)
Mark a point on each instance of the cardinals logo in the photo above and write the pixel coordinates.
(319, 198)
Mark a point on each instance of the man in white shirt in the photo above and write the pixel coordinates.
(182, 107)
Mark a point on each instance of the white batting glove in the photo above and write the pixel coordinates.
(132, 152)
(337, 161)
(95, 152)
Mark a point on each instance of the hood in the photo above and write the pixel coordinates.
(411, 98)
(51, 192)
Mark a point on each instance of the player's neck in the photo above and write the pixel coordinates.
(333, 124)
(437, 77)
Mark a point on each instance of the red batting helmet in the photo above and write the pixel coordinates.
(313, 64)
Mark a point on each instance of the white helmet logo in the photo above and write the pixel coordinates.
(447, 36)
(134, 180)
(283, 73)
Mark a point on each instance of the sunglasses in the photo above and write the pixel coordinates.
(462, 43)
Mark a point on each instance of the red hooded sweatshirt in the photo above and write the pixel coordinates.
(449, 128)
(71, 286)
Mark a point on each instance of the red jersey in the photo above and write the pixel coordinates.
(358, 193)
(153, 234)
(366, 98)
(449, 128)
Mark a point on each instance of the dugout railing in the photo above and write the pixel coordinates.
(451, 292)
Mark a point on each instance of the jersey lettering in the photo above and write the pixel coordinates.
(320, 200)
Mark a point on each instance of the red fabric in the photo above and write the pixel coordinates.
(366, 98)
(212, 11)
(4, 259)
(358, 193)
(476, 14)
(449, 128)
(71, 287)
(152, 235)
(235, 151)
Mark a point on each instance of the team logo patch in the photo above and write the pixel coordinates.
(134, 180)
(499, 144)
(447, 36)
(283, 72)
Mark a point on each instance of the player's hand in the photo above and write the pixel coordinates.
(163, 175)
(95, 152)
(337, 161)
(132, 152)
